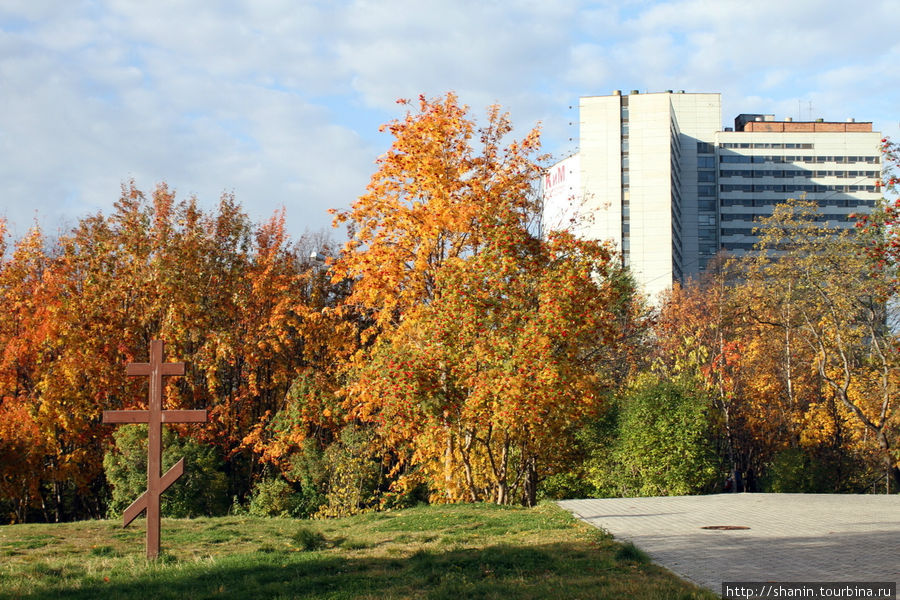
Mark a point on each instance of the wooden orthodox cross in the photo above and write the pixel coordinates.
(154, 417)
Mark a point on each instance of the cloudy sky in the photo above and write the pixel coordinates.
(280, 101)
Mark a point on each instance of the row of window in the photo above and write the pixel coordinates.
(740, 158)
(772, 145)
(777, 187)
(756, 173)
(768, 202)
(822, 218)
(738, 231)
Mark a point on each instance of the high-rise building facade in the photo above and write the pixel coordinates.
(659, 176)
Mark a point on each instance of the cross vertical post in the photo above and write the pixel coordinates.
(155, 416)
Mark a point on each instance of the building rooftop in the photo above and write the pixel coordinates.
(755, 123)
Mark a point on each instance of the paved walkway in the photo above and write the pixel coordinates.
(791, 537)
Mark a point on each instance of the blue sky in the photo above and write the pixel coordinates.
(280, 101)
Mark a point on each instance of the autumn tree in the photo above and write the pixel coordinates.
(23, 326)
(738, 338)
(488, 343)
(819, 284)
(233, 300)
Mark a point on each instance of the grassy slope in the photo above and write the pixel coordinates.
(454, 552)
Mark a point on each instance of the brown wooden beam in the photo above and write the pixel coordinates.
(143, 416)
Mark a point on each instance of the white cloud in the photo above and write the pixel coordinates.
(208, 102)
(486, 52)
(280, 101)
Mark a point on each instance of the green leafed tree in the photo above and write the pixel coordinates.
(661, 445)
(201, 491)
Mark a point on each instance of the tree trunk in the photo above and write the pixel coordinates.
(529, 495)
(501, 475)
(57, 496)
(467, 465)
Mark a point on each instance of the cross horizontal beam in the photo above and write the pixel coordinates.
(143, 416)
(173, 368)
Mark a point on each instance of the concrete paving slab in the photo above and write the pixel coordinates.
(789, 537)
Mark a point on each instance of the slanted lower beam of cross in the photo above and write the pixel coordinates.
(154, 417)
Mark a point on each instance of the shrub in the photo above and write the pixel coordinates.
(273, 497)
(354, 473)
(563, 486)
(593, 443)
(307, 469)
(202, 490)
(662, 444)
(812, 470)
(307, 539)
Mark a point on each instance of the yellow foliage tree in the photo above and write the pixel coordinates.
(488, 344)
(817, 283)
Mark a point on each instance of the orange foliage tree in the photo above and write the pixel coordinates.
(23, 327)
(488, 344)
(233, 301)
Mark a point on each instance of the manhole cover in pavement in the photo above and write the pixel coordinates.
(725, 527)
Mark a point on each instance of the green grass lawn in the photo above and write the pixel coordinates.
(454, 552)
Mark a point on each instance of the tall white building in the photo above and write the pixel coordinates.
(659, 176)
